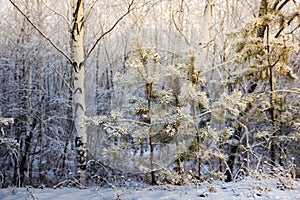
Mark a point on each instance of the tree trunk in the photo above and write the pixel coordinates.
(232, 154)
(41, 134)
(272, 108)
(25, 156)
(77, 39)
(198, 138)
(263, 9)
(262, 31)
(149, 87)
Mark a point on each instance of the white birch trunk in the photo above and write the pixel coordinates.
(77, 38)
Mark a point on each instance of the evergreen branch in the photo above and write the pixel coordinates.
(41, 33)
(263, 10)
(109, 30)
(220, 65)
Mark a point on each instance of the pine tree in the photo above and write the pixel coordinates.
(264, 52)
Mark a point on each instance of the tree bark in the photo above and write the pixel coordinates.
(263, 9)
(77, 39)
(272, 106)
(149, 87)
(77, 60)
(261, 32)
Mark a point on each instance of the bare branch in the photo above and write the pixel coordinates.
(294, 29)
(294, 90)
(176, 25)
(89, 10)
(283, 4)
(296, 14)
(64, 80)
(277, 2)
(178, 29)
(205, 113)
(41, 33)
(63, 17)
(109, 30)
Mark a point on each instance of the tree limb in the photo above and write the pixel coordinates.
(296, 14)
(296, 91)
(283, 4)
(178, 29)
(41, 33)
(60, 15)
(109, 30)
(89, 10)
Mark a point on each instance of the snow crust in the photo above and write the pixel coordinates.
(248, 188)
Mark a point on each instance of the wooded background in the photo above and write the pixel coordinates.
(155, 90)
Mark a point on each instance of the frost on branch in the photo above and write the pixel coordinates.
(189, 93)
(228, 106)
(8, 142)
(6, 121)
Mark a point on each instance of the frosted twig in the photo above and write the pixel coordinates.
(41, 33)
(109, 30)
(74, 182)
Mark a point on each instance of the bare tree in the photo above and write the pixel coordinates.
(77, 60)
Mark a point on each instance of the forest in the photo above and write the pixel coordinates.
(148, 91)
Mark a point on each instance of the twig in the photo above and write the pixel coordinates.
(89, 10)
(109, 30)
(113, 187)
(41, 33)
(75, 182)
(67, 84)
(69, 25)
(205, 113)
(296, 91)
(178, 29)
(283, 4)
(247, 143)
(296, 14)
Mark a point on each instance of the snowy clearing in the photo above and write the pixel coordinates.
(249, 188)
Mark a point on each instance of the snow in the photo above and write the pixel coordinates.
(248, 188)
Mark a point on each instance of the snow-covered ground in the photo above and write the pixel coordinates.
(249, 188)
